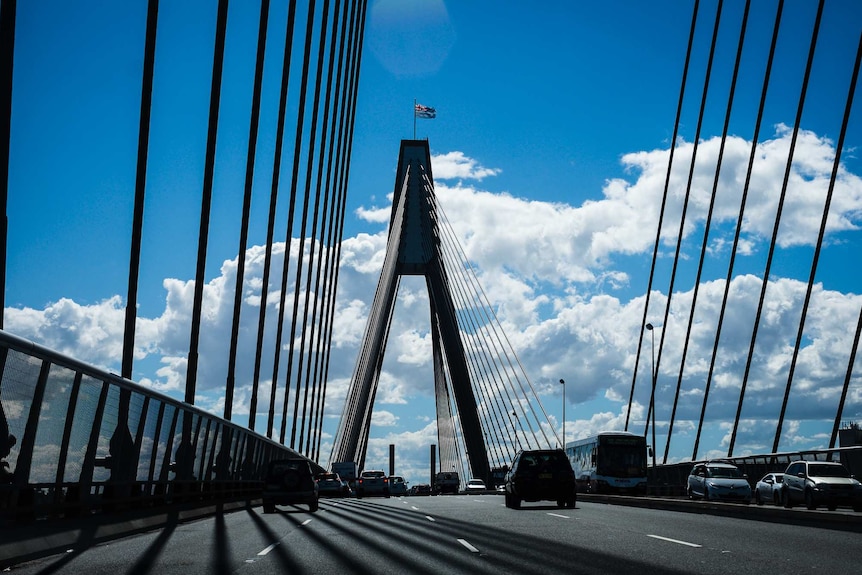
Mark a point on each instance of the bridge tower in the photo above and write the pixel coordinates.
(414, 249)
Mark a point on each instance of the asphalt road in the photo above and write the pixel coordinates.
(465, 534)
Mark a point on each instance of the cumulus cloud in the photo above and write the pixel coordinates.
(560, 278)
(456, 165)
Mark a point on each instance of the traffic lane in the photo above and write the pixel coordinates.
(372, 536)
(219, 544)
(658, 539)
(464, 534)
(460, 535)
(741, 544)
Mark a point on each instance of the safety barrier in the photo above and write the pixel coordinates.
(671, 479)
(78, 440)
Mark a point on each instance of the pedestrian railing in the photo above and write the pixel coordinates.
(75, 440)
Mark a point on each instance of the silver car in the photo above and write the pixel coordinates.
(718, 481)
(768, 489)
(817, 483)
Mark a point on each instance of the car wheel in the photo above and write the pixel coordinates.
(690, 493)
(706, 493)
(313, 506)
(757, 498)
(832, 507)
(809, 500)
(776, 497)
(268, 507)
(573, 502)
(785, 497)
(561, 503)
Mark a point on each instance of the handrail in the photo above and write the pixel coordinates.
(75, 439)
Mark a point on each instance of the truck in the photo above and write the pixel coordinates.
(447, 482)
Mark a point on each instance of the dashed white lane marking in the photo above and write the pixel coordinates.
(469, 547)
(429, 518)
(414, 508)
(558, 515)
(277, 543)
(677, 541)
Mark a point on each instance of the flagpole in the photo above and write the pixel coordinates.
(414, 118)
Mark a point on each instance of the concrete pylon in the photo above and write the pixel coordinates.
(413, 249)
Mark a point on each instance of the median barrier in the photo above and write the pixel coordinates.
(841, 520)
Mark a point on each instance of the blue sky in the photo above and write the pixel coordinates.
(549, 153)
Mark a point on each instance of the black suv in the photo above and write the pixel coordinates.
(289, 482)
(541, 475)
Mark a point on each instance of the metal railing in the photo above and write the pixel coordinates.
(75, 440)
(671, 479)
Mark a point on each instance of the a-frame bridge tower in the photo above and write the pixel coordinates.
(414, 249)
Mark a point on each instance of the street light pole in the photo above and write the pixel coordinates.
(650, 328)
(563, 383)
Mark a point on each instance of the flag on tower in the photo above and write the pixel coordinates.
(426, 112)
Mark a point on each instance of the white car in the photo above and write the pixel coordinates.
(475, 486)
(768, 489)
(718, 481)
(817, 483)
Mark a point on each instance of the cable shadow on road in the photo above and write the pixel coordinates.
(369, 537)
(288, 563)
(502, 549)
(88, 540)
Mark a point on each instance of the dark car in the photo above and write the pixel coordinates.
(817, 483)
(421, 489)
(289, 482)
(331, 485)
(372, 482)
(541, 475)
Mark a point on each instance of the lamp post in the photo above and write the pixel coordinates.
(563, 383)
(650, 328)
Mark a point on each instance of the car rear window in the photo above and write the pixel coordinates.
(280, 468)
(551, 459)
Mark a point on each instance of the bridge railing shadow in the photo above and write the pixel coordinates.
(76, 440)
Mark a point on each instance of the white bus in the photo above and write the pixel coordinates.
(610, 462)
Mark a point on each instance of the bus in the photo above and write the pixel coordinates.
(610, 462)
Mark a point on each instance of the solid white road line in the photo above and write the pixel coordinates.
(466, 544)
(675, 541)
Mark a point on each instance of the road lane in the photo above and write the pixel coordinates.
(464, 534)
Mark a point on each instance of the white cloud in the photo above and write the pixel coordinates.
(455, 165)
(557, 277)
